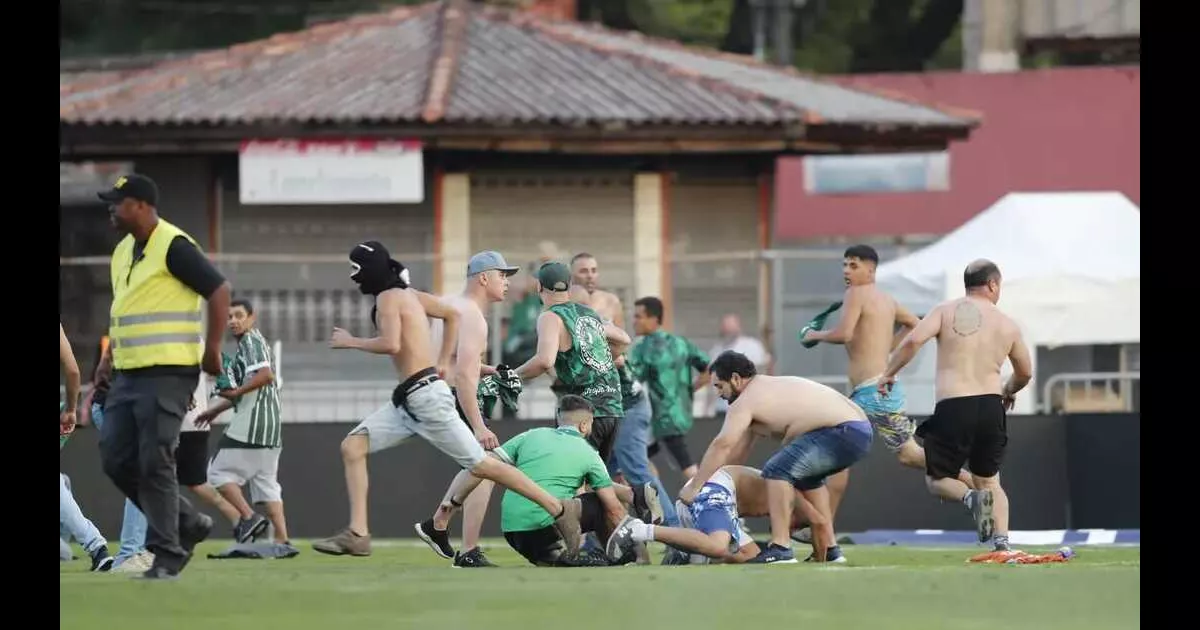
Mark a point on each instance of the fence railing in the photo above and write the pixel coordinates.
(1091, 391)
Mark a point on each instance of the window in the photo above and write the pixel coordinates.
(891, 173)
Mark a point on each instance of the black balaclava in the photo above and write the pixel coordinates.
(374, 270)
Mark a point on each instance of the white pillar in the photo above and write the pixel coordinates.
(648, 238)
(455, 232)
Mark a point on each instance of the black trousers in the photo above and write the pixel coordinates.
(142, 416)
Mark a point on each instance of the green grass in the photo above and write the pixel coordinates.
(403, 586)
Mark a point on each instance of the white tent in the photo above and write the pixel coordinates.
(1071, 264)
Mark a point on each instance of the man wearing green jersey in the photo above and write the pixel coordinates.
(248, 452)
(664, 362)
(574, 340)
(559, 459)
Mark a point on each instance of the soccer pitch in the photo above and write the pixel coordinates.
(403, 585)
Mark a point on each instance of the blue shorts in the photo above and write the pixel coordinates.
(806, 461)
(886, 413)
(715, 510)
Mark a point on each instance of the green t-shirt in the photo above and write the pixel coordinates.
(664, 362)
(560, 461)
(256, 416)
(587, 369)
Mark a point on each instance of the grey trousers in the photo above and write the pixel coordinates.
(142, 416)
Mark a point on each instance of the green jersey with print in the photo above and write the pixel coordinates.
(587, 369)
(256, 415)
(560, 461)
(664, 362)
(631, 390)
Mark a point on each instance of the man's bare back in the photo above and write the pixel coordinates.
(784, 407)
(973, 341)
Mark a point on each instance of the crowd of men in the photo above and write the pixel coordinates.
(581, 493)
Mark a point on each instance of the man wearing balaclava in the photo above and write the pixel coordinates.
(421, 405)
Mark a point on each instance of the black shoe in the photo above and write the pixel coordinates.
(248, 529)
(102, 562)
(471, 559)
(832, 554)
(158, 572)
(194, 534)
(438, 541)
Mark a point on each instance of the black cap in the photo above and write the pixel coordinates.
(132, 186)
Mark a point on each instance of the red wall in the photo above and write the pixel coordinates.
(1043, 130)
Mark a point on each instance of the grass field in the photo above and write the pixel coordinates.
(405, 586)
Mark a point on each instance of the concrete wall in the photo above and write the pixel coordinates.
(1061, 472)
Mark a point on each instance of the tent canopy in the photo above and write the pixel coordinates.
(1071, 264)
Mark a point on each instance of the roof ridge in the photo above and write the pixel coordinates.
(547, 26)
(454, 17)
(279, 43)
(742, 60)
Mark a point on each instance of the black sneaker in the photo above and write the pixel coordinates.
(646, 506)
(438, 541)
(158, 572)
(773, 554)
(248, 529)
(471, 558)
(194, 534)
(102, 561)
(833, 554)
(675, 557)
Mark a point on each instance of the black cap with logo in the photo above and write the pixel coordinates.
(131, 186)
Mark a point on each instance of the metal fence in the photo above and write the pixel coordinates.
(300, 298)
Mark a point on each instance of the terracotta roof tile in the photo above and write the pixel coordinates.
(455, 62)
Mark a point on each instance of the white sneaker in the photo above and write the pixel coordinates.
(138, 563)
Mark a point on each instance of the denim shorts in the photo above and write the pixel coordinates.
(806, 461)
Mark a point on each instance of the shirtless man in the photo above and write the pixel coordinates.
(969, 423)
(822, 433)
(487, 283)
(868, 330)
(421, 405)
(709, 526)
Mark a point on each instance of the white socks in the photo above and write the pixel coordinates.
(641, 532)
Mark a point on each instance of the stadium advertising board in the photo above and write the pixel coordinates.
(320, 172)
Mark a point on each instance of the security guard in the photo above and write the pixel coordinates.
(159, 276)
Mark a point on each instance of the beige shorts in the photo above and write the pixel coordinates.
(255, 467)
(437, 422)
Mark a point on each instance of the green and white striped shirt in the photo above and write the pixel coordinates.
(256, 416)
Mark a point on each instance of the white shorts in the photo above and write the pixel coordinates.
(256, 467)
(437, 421)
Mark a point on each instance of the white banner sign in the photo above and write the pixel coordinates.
(303, 172)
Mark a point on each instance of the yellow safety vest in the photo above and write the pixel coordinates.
(155, 319)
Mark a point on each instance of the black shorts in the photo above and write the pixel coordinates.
(604, 435)
(191, 458)
(676, 446)
(544, 547)
(971, 430)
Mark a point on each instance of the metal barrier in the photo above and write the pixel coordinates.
(1124, 381)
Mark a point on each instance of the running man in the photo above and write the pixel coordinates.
(574, 340)
(422, 404)
(487, 283)
(969, 421)
(822, 433)
(631, 458)
(248, 453)
(664, 361)
(868, 330)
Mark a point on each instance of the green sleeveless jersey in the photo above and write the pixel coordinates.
(587, 368)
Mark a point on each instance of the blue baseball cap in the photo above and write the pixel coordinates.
(487, 261)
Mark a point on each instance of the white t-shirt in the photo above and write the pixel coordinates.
(749, 346)
(198, 405)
